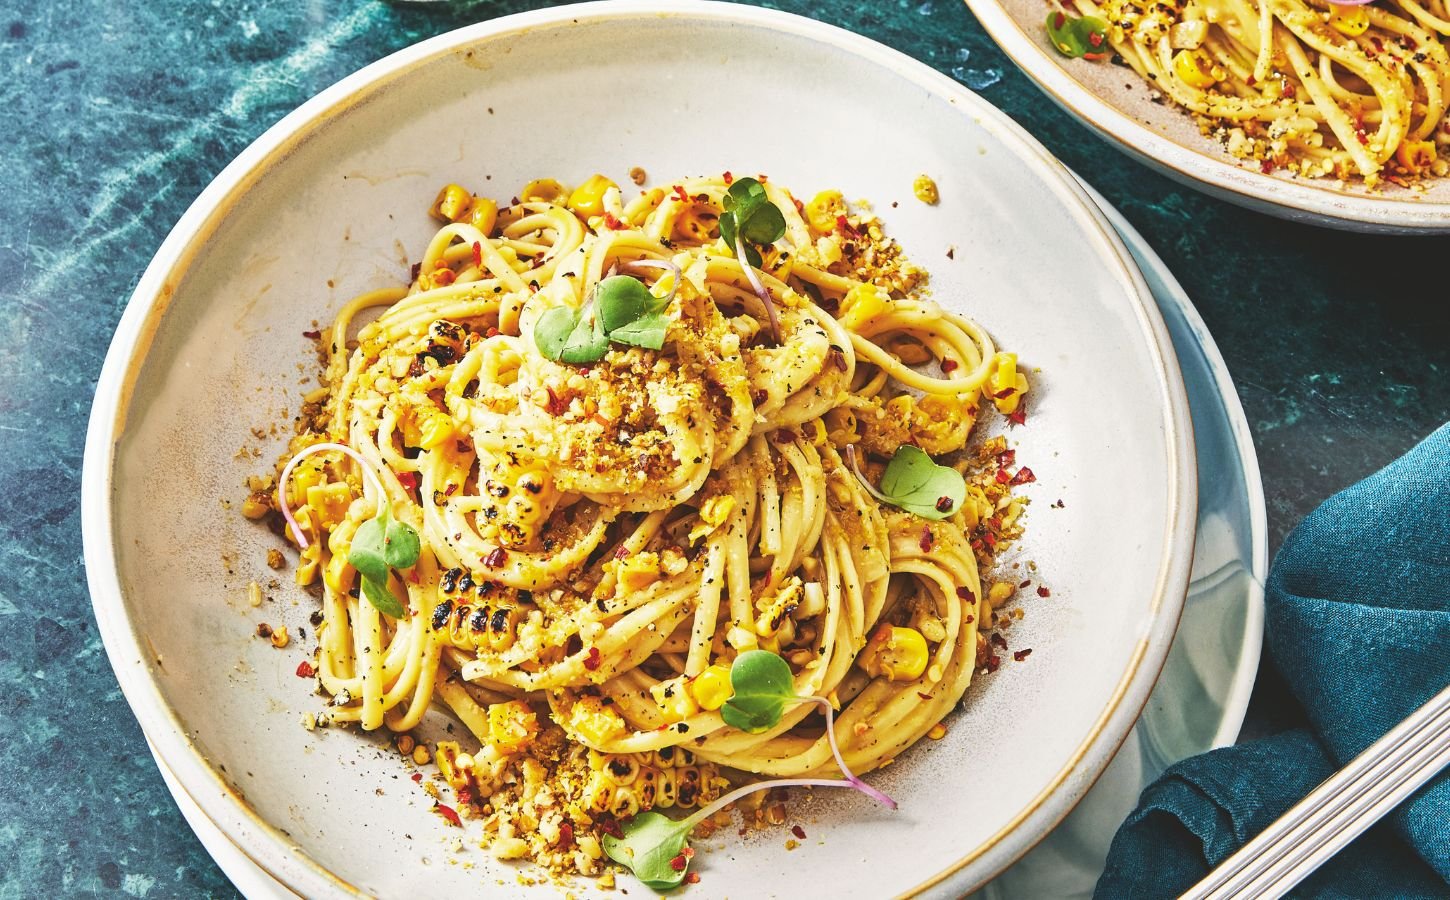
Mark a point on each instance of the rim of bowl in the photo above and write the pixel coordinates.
(1298, 200)
(281, 856)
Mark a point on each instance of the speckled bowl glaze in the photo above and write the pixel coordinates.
(1120, 106)
(332, 201)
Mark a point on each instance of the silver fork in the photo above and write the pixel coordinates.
(1337, 811)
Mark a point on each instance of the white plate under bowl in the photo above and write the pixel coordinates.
(331, 201)
(1118, 104)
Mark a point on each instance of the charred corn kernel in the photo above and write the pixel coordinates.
(511, 726)
(256, 505)
(998, 593)
(1006, 384)
(452, 204)
(406, 744)
(1195, 69)
(1350, 20)
(713, 513)
(937, 732)
(593, 721)
(712, 687)
(588, 198)
(1415, 156)
(484, 214)
(896, 653)
(546, 189)
(637, 571)
(823, 209)
(776, 607)
(675, 702)
(861, 304)
(925, 190)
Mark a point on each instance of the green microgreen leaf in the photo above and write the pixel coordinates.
(650, 844)
(400, 544)
(621, 309)
(648, 332)
(763, 688)
(381, 598)
(565, 334)
(622, 300)
(380, 545)
(750, 213)
(914, 482)
(366, 552)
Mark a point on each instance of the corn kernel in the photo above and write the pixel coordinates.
(588, 198)
(434, 427)
(420, 755)
(546, 189)
(713, 513)
(1349, 20)
(1195, 70)
(925, 190)
(484, 214)
(1006, 384)
(896, 653)
(279, 637)
(637, 571)
(937, 732)
(330, 503)
(594, 721)
(861, 304)
(674, 701)
(1415, 156)
(452, 204)
(712, 687)
(511, 726)
(255, 506)
(998, 593)
(818, 434)
(406, 744)
(823, 209)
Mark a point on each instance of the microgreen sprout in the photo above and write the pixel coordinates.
(750, 219)
(914, 482)
(620, 309)
(380, 544)
(654, 846)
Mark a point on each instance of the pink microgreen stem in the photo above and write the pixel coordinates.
(345, 450)
(757, 286)
(861, 476)
(856, 782)
(660, 264)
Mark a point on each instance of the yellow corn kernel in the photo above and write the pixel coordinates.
(674, 701)
(1195, 69)
(546, 189)
(434, 427)
(449, 758)
(900, 407)
(452, 205)
(593, 721)
(998, 593)
(279, 636)
(713, 513)
(712, 687)
(925, 190)
(823, 209)
(511, 726)
(255, 506)
(1415, 156)
(1350, 20)
(484, 214)
(896, 653)
(937, 732)
(329, 503)
(1006, 385)
(588, 198)
(861, 304)
(637, 571)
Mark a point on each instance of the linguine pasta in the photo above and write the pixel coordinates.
(598, 542)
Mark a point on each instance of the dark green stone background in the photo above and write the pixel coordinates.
(115, 115)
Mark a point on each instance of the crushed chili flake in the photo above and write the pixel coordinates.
(998, 640)
(680, 194)
(692, 878)
(922, 696)
(1003, 476)
(943, 504)
(591, 662)
(926, 539)
(838, 356)
(990, 539)
(557, 405)
(1023, 476)
(612, 223)
(1025, 583)
(679, 863)
(993, 662)
(413, 272)
(966, 594)
(409, 480)
(845, 227)
(728, 177)
(969, 619)
(495, 558)
(566, 836)
(305, 670)
(478, 254)
(1042, 591)
(1004, 393)
(759, 397)
(948, 366)
(622, 553)
(1007, 458)
(1020, 655)
(799, 206)
(610, 826)
(447, 812)
(417, 776)
(312, 335)
(798, 831)
(1020, 416)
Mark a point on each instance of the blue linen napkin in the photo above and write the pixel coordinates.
(1358, 622)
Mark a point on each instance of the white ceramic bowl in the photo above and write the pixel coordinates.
(332, 200)
(1118, 104)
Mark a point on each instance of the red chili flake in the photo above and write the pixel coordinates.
(409, 480)
(943, 504)
(443, 276)
(680, 194)
(417, 776)
(759, 397)
(1020, 655)
(610, 826)
(448, 813)
(566, 836)
(845, 227)
(413, 273)
(1007, 458)
(798, 831)
(591, 662)
(948, 366)
(679, 863)
(465, 796)
(922, 696)
(925, 542)
(969, 619)
(305, 670)
(557, 405)
(692, 878)
(514, 201)
(993, 662)
(1378, 44)
(1024, 475)
(1020, 416)
(612, 223)
(998, 640)
(621, 553)
(761, 178)
(838, 356)
(1094, 38)
(1003, 476)
(1251, 81)
(492, 332)
(799, 206)
(1042, 591)
(448, 491)
(728, 177)
(1004, 393)
(495, 558)
(312, 335)
(1026, 582)
(990, 538)
(1059, 20)
(965, 593)
(478, 254)
(1266, 167)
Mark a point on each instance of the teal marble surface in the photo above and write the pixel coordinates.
(115, 116)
